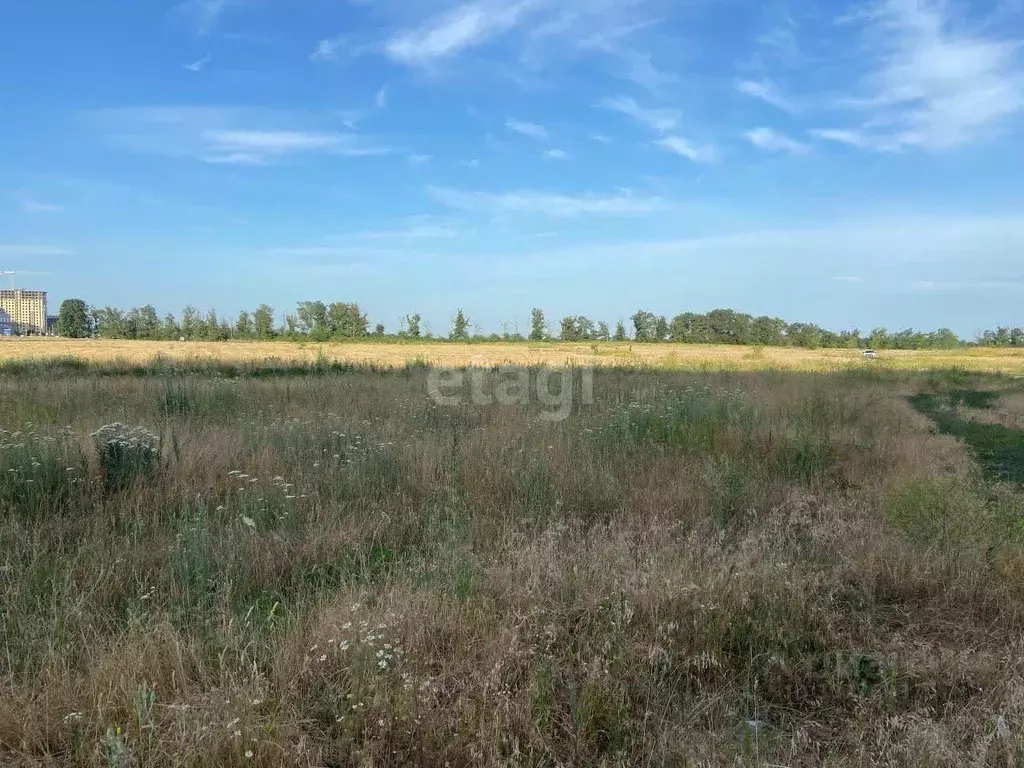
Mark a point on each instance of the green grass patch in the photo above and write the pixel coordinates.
(998, 449)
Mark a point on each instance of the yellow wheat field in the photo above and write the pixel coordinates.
(390, 354)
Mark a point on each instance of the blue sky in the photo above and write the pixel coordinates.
(850, 164)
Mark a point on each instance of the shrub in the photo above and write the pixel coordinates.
(125, 453)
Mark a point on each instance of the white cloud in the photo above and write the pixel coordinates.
(684, 148)
(271, 141)
(418, 232)
(601, 138)
(541, 33)
(350, 118)
(772, 140)
(781, 40)
(547, 204)
(420, 159)
(474, 163)
(556, 154)
(222, 135)
(381, 99)
(199, 65)
(659, 120)
(463, 27)
(531, 130)
(327, 50)
(848, 279)
(766, 91)
(933, 83)
(633, 65)
(236, 158)
(314, 251)
(34, 206)
(205, 14)
(859, 139)
(15, 250)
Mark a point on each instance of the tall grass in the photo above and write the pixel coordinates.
(698, 569)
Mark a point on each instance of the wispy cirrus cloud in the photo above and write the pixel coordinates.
(205, 14)
(858, 139)
(547, 204)
(29, 250)
(663, 122)
(327, 50)
(773, 141)
(460, 28)
(199, 65)
(34, 206)
(540, 31)
(659, 120)
(407, 231)
(766, 91)
(530, 130)
(221, 135)
(417, 232)
(630, 61)
(935, 81)
(683, 148)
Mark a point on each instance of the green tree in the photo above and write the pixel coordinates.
(148, 323)
(263, 320)
(644, 326)
(805, 335)
(190, 323)
(577, 328)
(379, 329)
(603, 333)
(620, 331)
(211, 326)
(879, 339)
(568, 332)
(660, 329)
(111, 324)
(170, 329)
(73, 319)
(769, 331)
(291, 325)
(412, 325)
(243, 326)
(538, 328)
(313, 319)
(346, 321)
(460, 327)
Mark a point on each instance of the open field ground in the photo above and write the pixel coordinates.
(673, 356)
(709, 569)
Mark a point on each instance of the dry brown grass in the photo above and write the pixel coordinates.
(679, 356)
(1009, 412)
(474, 586)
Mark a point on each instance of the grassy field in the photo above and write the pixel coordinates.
(697, 568)
(673, 356)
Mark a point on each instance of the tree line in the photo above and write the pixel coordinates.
(340, 321)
